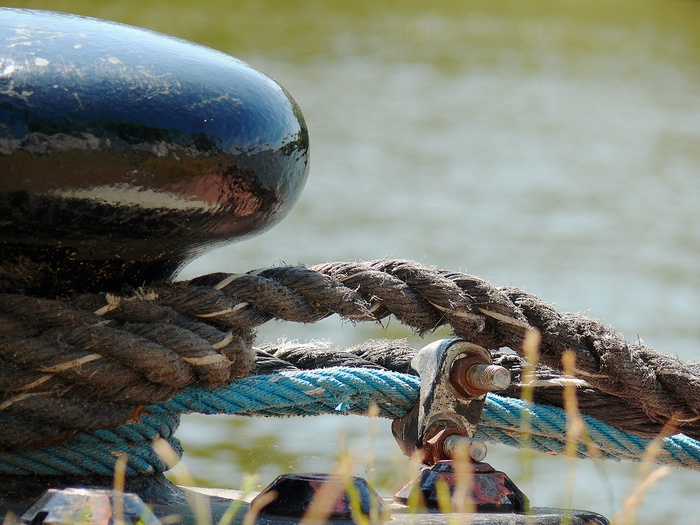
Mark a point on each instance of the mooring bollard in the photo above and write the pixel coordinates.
(124, 153)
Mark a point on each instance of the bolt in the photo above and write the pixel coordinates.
(487, 377)
(455, 443)
(472, 376)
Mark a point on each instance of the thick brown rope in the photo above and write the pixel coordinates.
(659, 385)
(119, 351)
(65, 368)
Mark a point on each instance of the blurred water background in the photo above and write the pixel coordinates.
(553, 145)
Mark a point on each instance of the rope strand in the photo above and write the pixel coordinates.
(81, 369)
(336, 390)
(203, 330)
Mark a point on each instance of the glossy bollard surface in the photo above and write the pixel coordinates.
(124, 152)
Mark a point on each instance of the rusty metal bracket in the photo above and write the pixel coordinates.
(455, 377)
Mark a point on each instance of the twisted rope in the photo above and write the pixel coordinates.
(65, 369)
(336, 390)
(396, 355)
(92, 361)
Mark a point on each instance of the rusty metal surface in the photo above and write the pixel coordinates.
(491, 490)
(451, 398)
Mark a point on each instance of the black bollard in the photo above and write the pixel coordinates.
(124, 153)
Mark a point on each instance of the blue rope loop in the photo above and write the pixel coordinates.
(97, 452)
(338, 390)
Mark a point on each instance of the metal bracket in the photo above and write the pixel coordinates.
(455, 377)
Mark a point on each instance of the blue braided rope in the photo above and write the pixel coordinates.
(330, 391)
(97, 452)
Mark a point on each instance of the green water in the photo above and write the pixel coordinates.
(551, 145)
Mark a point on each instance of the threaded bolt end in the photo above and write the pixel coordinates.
(487, 377)
(453, 444)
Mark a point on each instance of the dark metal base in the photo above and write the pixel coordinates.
(17, 493)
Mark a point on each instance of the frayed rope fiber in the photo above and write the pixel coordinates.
(92, 361)
(336, 390)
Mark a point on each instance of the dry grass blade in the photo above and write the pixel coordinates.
(374, 514)
(649, 475)
(442, 493)
(575, 426)
(324, 499)
(531, 352)
(119, 483)
(628, 513)
(575, 429)
(11, 519)
(249, 484)
(198, 502)
(358, 517)
(257, 505)
(462, 497)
